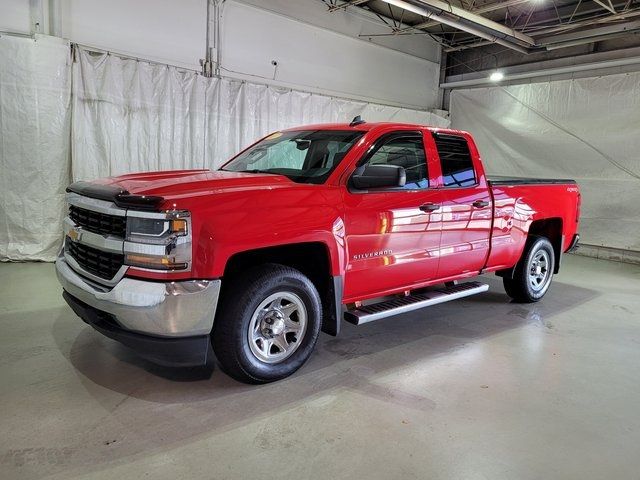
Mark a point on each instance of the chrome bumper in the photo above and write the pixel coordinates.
(172, 309)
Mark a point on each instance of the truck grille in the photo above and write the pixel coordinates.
(97, 222)
(97, 262)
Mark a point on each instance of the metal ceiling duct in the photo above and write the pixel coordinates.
(587, 36)
(469, 22)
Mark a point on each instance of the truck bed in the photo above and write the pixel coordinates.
(499, 180)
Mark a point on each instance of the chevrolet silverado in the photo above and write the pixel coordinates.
(304, 229)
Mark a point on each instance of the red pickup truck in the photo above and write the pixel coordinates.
(305, 228)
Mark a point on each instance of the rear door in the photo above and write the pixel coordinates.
(466, 207)
(392, 234)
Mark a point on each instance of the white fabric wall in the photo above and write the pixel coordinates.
(34, 145)
(126, 115)
(587, 129)
(130, 115)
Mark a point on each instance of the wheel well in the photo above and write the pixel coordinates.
(312, 259)
(551, 228)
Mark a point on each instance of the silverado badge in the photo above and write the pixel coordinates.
(380, 253)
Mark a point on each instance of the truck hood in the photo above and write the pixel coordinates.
(180, 183)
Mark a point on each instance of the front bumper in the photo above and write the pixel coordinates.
(147, 316)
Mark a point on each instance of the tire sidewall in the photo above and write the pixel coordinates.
(304, 289)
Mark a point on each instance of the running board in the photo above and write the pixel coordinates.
(376, 311)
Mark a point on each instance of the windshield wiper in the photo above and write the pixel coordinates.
(255, 170)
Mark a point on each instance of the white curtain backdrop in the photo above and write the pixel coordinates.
(124, 115)
(238, 113)
(34, 145)
(132, 115)
(587, 129)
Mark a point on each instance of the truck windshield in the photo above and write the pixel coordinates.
(304, 156)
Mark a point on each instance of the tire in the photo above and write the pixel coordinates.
(533, 274)
(267, 324)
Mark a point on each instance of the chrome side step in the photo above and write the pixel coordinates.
(396, 306)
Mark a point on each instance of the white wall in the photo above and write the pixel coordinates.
(14, 16)
(316, 58)
(168, 31)
(353, 22)
(316, 50)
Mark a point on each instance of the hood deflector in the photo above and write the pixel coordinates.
(117, 195)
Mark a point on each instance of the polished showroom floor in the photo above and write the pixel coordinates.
(475, 389)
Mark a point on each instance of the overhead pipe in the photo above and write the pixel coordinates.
(592, 32)
(499, 38)
(211, 66)
(55, 18)
(598, 38)
(491, 7)
(465, 16)
(588, 23)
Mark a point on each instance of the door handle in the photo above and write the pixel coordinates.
(480, 203)
(429, 207)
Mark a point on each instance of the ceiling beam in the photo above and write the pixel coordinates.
(608, 5)
(592, 32)
(446, 10)
(492, 7)
(587, 22)
(469, 23)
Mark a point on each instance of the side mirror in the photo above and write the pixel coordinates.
(377, 176)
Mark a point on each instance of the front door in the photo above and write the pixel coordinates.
(392, 234)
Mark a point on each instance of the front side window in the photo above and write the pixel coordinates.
(406, 151)
(304, 156)
(455, 159)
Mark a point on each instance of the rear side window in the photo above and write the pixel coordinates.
(455, 159)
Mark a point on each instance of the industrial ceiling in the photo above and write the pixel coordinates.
(525, 26)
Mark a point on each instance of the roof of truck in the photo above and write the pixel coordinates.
(366, 126)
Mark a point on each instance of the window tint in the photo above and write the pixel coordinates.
(455, 158)
(407, 152)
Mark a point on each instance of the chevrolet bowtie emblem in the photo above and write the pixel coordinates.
(75, 234)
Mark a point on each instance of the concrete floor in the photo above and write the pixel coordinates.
(479, 388)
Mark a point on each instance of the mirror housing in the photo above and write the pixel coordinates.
(378, 176)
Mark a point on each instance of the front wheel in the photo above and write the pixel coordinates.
(533, 273)
(268, 324)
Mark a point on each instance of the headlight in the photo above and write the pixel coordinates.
(157, 230)
(158, 241)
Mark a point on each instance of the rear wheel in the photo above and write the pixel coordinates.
(267, 325)
(533, 273)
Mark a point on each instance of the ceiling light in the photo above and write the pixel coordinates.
(496, 76)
